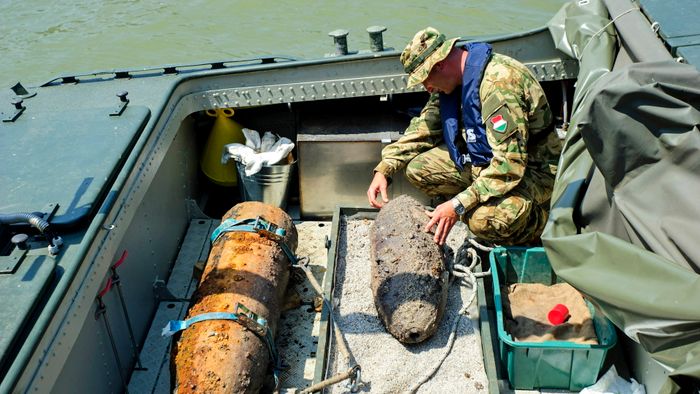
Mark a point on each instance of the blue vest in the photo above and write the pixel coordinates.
(478, 149)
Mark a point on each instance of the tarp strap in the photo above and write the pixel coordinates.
(258, 225)
(245, 318)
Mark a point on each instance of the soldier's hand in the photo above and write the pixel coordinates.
(443, 218)
(378, 186)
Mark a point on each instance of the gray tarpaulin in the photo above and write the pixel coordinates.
(625, 220)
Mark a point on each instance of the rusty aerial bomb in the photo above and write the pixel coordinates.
(246, 274)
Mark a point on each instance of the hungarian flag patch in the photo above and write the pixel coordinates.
(499, 124)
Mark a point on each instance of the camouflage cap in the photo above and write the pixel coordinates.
(427, 48)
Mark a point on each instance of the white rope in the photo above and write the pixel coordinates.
(603, 29)
(480, 246)
(463, 275)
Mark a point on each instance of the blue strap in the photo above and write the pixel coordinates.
(478, 152)
(449, 114)
(478, 147)
(258, 225)
(174, 326)
(247, 225)
(274, 358)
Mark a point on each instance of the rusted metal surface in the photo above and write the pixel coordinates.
(409, 277)
(221, 356)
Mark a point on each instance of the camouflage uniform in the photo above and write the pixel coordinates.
(507, 201)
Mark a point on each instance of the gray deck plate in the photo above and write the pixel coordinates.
(155, 354)
(297, 339)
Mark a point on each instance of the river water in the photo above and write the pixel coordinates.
(42, 39)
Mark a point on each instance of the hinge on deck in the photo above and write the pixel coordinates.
(19, 108)
(123, 102)
(9, 264)
(21, 94)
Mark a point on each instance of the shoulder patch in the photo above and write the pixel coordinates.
(492, 103)
(501, 124)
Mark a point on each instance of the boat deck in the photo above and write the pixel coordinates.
(304, 340)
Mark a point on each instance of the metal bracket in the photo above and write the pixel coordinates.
(161, 292)
(21, 92)
(123, 102)
(251, 320)
(655, 27)
(268, 229)
(9, 264)
(49, 210)
(355, 379)
(19, 108)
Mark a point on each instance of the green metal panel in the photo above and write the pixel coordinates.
(678, 26)
(678, 19)
(66, 157)
(691, 54)
(20, 292)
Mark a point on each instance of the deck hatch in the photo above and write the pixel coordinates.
(68, 157)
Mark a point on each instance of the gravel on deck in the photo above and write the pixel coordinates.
(388, 366)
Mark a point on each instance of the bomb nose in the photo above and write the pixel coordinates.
(414, 336)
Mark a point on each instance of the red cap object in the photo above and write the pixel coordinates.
(558, 315)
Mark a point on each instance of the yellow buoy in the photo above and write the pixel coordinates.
(225, 131)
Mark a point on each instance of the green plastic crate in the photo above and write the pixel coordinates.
(550, 364)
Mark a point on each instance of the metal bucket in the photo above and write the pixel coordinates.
(270, 185)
